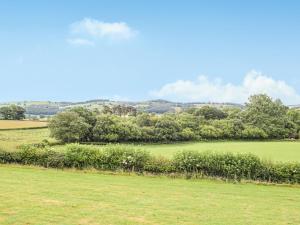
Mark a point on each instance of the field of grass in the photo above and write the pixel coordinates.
(11, 139)
(270, 150)
(46, 196)
(273, 150)
(20, 124)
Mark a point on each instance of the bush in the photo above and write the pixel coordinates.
(127, 158)
(251, 132)
(82, 156)
(159, 165)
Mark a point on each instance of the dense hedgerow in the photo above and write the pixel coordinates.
(126, 158)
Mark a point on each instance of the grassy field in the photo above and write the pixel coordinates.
(46, 196)
(10, 139)
(273, 150)
(20, 124)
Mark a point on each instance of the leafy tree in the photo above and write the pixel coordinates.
(107, 128)
(69, 127)
(167, 128)
(12, 112)
(210, 132)
(89, 117)
(266, 114)
(251, 132)
(294, 118)
(229, 128)
(187, 120)
(145, 120)
(210, 113)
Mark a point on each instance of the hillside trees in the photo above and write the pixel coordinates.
(12, 112)
(261, 118)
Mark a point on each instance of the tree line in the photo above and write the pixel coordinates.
(261, 118)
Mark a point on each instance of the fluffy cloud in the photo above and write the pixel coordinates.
(204, 89)
(97, 29)
(80, 42)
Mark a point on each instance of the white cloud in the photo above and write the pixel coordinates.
(204, 89)
(80, 42)
(98, 29)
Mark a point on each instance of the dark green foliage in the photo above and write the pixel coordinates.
(12, 112)
(252, 133)
(262, 118)
(210, 113)
(270, 116)
(167, 129)
(69, 127)
(189, 163)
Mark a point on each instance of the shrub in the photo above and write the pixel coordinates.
(123, 157)
(251, 132)
(159, 165)
(82, 156)
(127, 158)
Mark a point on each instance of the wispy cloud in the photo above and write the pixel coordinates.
(215, 90)
(87, 31)
(80, 42)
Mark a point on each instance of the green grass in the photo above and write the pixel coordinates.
(11, 139)
(46, 196)
(270, 150)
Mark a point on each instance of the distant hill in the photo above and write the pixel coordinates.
(48, 108)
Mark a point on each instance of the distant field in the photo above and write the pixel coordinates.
(10, 139)
(46, 196)
(20, 124)
(273, 150)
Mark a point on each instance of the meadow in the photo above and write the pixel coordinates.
(269, 150)
(11, 139)
(33, 195)
(45, 196)
(21, 124)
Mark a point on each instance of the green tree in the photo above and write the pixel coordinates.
(270, 116)
(12, 112)
(89, 117)
(108, 128)
(167, 128)
(69, 127)
(210, 113)
(251, 132)
(210, 132)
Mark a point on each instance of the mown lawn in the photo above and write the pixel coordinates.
(270, 150)
(46, 196)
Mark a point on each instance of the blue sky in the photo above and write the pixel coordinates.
(137, 50)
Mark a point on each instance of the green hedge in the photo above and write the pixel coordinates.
(188, 163)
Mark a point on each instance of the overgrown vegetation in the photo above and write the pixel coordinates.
(262, 118)
(188, 163)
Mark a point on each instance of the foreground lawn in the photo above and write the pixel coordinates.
(272, 150)
(10, 139)
(45, 196)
